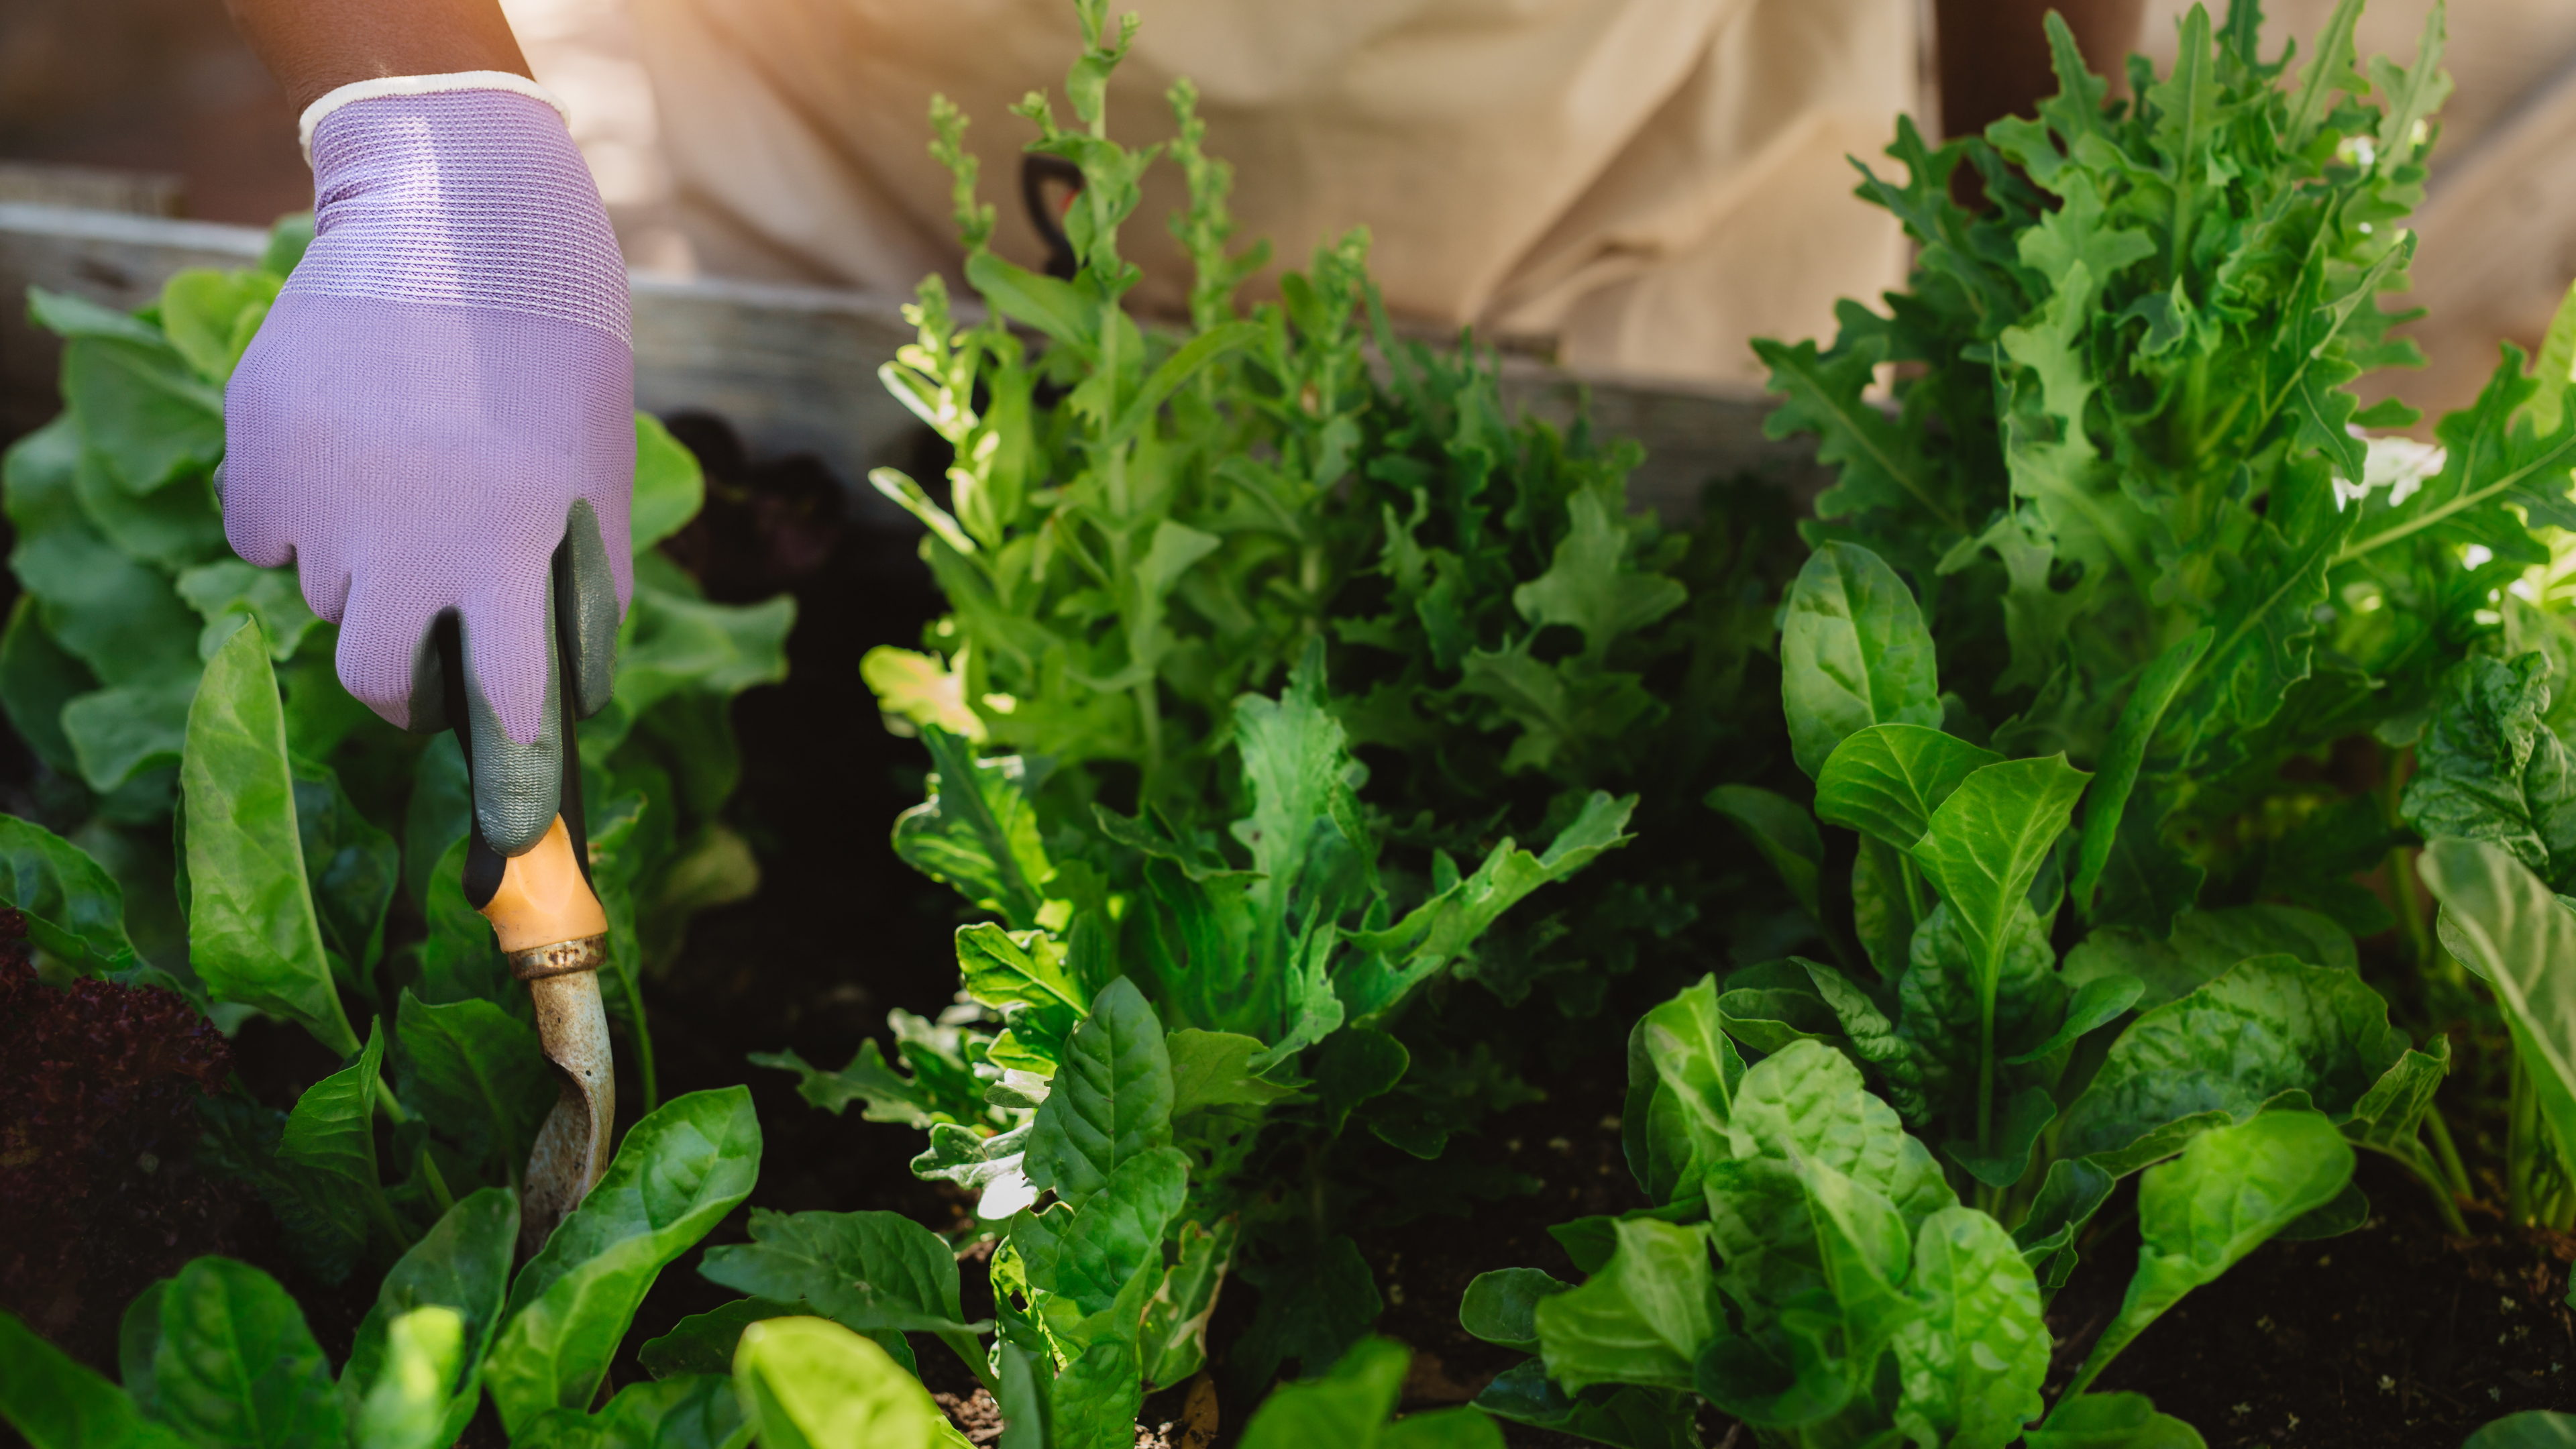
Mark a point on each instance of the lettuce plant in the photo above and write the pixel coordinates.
(1813, 1273)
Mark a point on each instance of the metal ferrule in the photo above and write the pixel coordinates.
(562, 958)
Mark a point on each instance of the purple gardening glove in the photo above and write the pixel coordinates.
(436, 424)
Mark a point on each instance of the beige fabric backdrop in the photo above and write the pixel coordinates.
(1650, 182)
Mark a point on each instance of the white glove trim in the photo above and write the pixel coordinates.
(420, 85)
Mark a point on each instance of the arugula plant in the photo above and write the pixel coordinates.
(130, 595)
(1195, 576)
(1812, 1273)
(2124, 477)
(219, 1355)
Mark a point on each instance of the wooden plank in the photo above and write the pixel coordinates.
(794, 369)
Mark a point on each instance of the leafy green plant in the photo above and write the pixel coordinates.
(220, 1355)
(1258, 671)
(1806, 1245)
(2123, 478)
(130, 597)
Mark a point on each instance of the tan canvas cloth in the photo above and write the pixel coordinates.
(1650, 182)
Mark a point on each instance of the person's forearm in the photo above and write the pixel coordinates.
(315, 46)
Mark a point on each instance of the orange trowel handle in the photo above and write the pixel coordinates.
(543, 899)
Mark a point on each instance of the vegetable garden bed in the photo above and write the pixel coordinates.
(2062, 946)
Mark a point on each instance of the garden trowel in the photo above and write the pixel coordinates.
(549, 924)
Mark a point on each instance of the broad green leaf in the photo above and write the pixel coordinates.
(809, 1383)
(75, 912)
(1642, 1319)
(116, 614)
(461, 1264)
(2489, 767)
(1808, 1102)
(1985, 844)
(211, 316)
(1111, 1099)
(1118, 1232)
(479, 1075)
(1094, 1400)
(1015, 968)
(2069, 1195)
(979, 833)
(406, 1404)
(676, 1175)
(2098, 1002)
(1630, 1417)
(2520, 936)
(330, 1143)
(2532, 1429)
(437, 815)
(1316, 1300)
(669, 486)
(694, 1411)
(1349, 1407)
(237, 1367)
(2231, 1190)
(350, 869)
(2148, 699)
(1502, 1306)
(1683, 1078)
(141, 405)
(253, 937)
(38, 677)
(874, 1272)
(1853, 653)
(2204, 944)
(58, 1403)
(128, 731)
(1887, 780)
(227, 591)
(461, 961)
(2115, 1421)
(1972, 1364)
(1214, 1069)
(704, 1343)
(2272, 1025)
(1785, 834)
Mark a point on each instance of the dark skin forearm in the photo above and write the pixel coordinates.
(1994, 54)
(316, 46)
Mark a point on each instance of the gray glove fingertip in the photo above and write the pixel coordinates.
(585, 585)
(517, 787)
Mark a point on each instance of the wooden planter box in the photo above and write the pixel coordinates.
(793, 369)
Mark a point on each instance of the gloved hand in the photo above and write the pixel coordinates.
(436, 423)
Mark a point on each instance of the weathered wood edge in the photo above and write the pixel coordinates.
(794, 369)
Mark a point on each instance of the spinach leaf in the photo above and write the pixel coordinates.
(478, 1074)
(2534, 1429)
(2232, 1189)
(407, 1407)
(462, 1266)
(75, 912)
(679, 1171)
(809, 1383)
(1854, 653)
(2511, 929)
(1111, 1101)
(58, 1403)
(252, 933)
(2112, 1421)
(1886, 781)
(1350, 1406)
(878, 1273)
(236, 1366)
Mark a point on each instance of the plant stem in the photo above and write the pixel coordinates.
(2449, 1154)
(2520, 1145)
(1986, 1072)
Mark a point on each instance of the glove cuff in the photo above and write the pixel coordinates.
(420, 85)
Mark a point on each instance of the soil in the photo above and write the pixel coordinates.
(2394, 1335)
